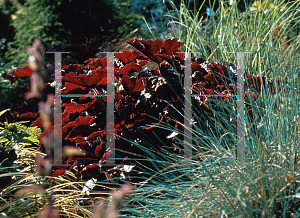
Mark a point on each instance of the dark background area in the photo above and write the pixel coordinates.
(82, 27)
(64, 23)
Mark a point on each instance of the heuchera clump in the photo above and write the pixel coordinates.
(143, 94)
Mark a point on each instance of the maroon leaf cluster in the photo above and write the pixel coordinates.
(143, 95)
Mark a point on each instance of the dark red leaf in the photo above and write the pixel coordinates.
(198, 67)
(96, 78)
(88, 120)
(65, 117)
(21, 73)
(132, 84)
(128, 68)
(95, 134)
(71, 86)
(208, 91)
(67, 126)
(113, 170)
(79, 140)
(219, 69)
(210, 77)
(73, 107)
(142, 63)
(94, 63)
(99, 150)
(37, 123)
(58, 172)
(128, 56)
(80, 121)
(28, 115)
(90, 166)
(75, 68)
(171, 60)
(150, 48)
(172, 46)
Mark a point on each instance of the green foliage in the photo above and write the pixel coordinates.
(154, 12)
(95, 21)
(7, 157)
(60, 23)
(16, 132)
(230, 30)
(12, 95)
(31, 20)
(6, 30)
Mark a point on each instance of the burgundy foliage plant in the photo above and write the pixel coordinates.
(146, 95)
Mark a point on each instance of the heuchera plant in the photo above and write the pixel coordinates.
(143, 95)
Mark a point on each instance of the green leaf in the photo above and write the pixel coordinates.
(17, 132)
(3, 140)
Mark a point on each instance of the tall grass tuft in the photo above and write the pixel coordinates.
(213, 184)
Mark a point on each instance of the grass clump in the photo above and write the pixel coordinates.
(213, 184)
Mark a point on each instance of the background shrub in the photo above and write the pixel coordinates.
(62, 23)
